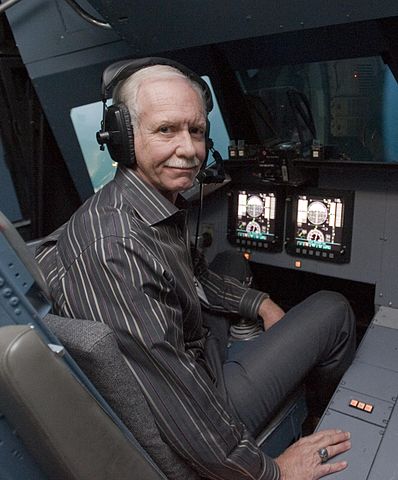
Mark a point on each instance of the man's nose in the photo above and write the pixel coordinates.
(185, 147)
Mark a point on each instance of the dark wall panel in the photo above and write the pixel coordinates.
(8, 199)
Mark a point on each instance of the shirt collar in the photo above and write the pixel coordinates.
(148, 202)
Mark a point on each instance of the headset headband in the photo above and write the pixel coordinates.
(121, 70)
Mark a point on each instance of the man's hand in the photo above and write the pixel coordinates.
(302, 461)
(270, 312)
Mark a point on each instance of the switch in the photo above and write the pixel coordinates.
(365, 407)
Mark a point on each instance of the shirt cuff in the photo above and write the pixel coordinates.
(250, 303)
(271, 469)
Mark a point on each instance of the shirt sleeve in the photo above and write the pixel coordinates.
(113, 281)
(227, 294)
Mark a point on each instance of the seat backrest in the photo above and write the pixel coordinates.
(62, 425)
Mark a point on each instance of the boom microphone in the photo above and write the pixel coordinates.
(212, 175)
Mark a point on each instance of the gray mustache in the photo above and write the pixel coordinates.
(182, 163)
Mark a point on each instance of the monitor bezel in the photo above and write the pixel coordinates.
(291, 247)
(274, 245)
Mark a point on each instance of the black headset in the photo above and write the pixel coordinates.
(116, 129)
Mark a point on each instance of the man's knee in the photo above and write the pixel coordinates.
(333, 307)
(336, 329)
(328, 299)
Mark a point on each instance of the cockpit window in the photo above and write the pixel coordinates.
(353, 104)
(218, 130)
(101, 168)
(86, 121)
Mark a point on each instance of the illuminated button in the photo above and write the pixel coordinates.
(324, 254)
(297, 263)
(297, 250)
(317, 254)
(311, 252)
(331, 255)
(304, 251)
(366, 407)
(260, 244)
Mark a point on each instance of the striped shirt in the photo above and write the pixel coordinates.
(124, 259)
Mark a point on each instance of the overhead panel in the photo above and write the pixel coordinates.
(156, 25)
(51, 28)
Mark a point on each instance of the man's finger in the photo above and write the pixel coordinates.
(342, 447)
(329, 468)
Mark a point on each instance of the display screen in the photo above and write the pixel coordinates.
(255, 218)
(321, 225)
(319, 222)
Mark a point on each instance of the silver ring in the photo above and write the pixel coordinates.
(324, 454)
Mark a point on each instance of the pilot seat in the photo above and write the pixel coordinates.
(70, 408)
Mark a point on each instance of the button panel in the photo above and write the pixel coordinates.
(311, 253)
(252, 243)
(362, 406)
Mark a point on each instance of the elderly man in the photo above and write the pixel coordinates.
(124, 259)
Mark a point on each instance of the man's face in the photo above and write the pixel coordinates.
(169, 139)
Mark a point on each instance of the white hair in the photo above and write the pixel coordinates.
(127, 90)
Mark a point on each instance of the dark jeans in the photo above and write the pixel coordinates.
(316, 337)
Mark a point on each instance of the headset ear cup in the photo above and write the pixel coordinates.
(127, 136)
(121, 136)
(209, 144)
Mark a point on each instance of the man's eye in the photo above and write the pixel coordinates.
(164, 129)
(197, 131)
